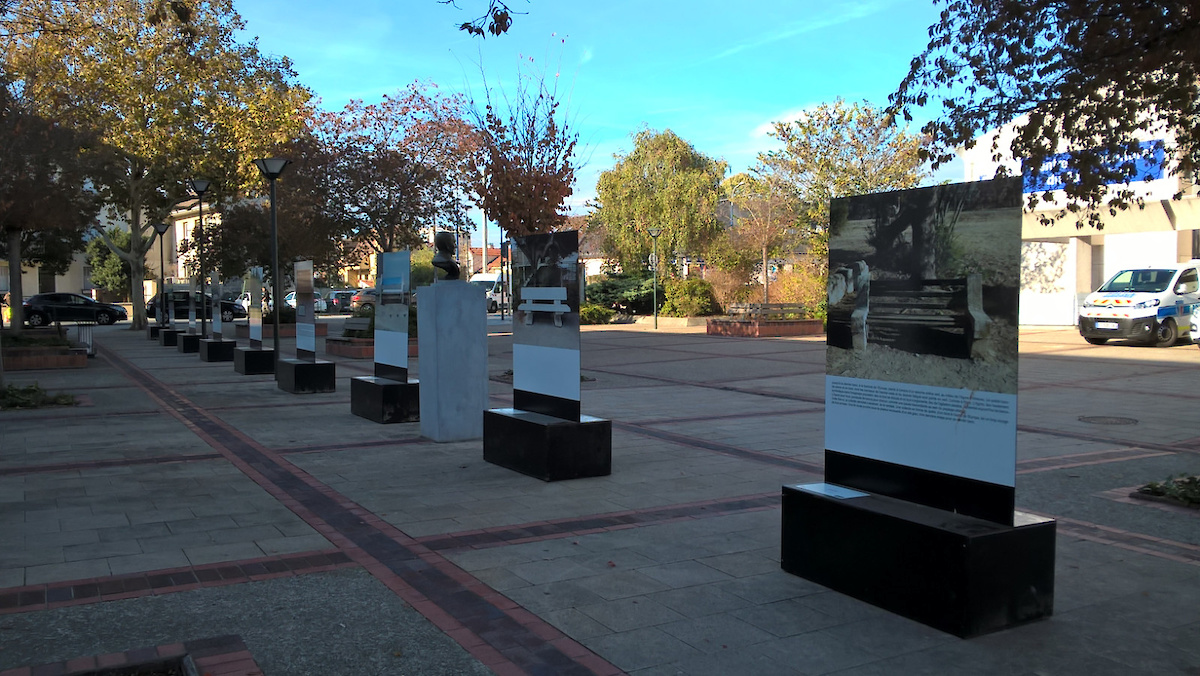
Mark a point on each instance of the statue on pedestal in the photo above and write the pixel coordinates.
(443, 243)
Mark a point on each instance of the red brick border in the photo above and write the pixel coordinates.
(94, 590)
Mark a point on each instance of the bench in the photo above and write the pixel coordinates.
(764, 320)
(759, 311)
(551, 299)
(928, 316)
(347, 345)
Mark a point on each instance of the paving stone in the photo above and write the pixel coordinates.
(630, 613)
(684, 574)
(227, 552)
(133, 532)
(700, 601)
(149, 561)
(72, 570)
(621, 584)
(553, 596)
(12, 577)
(716, 633)
(641, 648)
(291, 545)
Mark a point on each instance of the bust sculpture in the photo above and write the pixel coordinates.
(443, 244)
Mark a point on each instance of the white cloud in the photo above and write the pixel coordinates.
(585, 56)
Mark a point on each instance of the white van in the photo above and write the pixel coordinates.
(1150, 305)
(493, 285)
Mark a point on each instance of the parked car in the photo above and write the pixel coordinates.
(364, 298)
(230, 310)
(1149, 305)
(493, 288)
(319, 304)
(44, 308)
(339, 301)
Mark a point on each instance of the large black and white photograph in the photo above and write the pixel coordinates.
(923, 286)
(546, 286)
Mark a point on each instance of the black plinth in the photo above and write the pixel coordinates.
(960, 574)
(306, 377)
(384, 400)
(169, 337)
(152, 332)
(216, 350)
(548, 448)
(250, 361)
(188, 342)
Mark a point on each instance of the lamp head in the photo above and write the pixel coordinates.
(199, 186)
(161, 228)
(272, 167)
(654, 232)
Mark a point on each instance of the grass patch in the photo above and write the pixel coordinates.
(1183, 489)
(32, 396)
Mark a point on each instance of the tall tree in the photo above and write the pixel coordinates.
(401, 165)
(109, 271)
(763, 215)
(665, 183)
(45, 205)
(1097, 78)
(836, 150)
(170, 91)
(526, 156)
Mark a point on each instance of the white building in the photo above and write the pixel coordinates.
(1061, 263)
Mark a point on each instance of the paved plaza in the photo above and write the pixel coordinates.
(184, 507)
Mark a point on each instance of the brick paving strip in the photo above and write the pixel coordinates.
(116, 587)
(491, 627)
(217, 656)
(1173, 550)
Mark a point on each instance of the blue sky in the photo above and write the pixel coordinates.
(715, 72)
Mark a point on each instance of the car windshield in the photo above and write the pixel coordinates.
(1141, 281)
(485, 284)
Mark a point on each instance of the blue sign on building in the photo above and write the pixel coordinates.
(1148, 166)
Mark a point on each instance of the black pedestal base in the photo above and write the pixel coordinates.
(962, 575)
(152, 332)
(306, 377)
(384, 400)
(548, 448)
(250, 361)
(169, 337)
(217, 350)
(188, 342)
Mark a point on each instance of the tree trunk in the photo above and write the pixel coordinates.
(16, 293)
(137, 269)
(766, 277)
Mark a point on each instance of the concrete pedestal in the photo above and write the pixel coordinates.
(384, 400)
(217, 350)
(152, 332)
(452, 349)
(960, 574)
(188, 342)
(306, 377)
(250, 361)
(545, 447)
(169, 337)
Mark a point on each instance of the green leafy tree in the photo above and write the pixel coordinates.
(45, 205)
(168, 90)
(109, 271)
(1095, 77)
(836, 150)
(664, 183)
(763, 217)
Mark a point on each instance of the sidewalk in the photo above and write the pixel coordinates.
(183, 506)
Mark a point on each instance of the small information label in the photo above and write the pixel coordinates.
(831, 490)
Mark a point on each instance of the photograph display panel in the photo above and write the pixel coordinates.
(545, 271)
(252, 283)
(306, 320)
(391, 313)
(921, 356)
(215, 280)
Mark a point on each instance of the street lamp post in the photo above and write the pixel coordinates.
(161, 229)
(654, 233)
(199, 186)
(272, 168)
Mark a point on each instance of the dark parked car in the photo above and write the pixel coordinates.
(364, 298)
(230, 310)
(339, 301)
(44, 308)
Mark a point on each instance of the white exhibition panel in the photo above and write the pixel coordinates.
(391, 348)
(965, 433)
(306, 337)
(552, 371)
